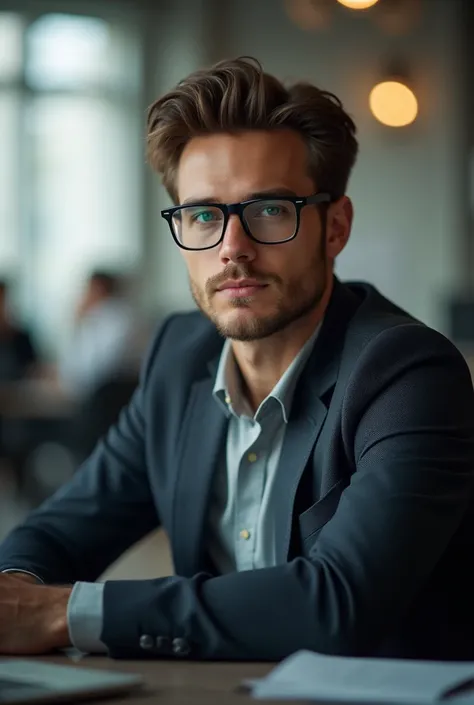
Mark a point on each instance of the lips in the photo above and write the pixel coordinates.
(240, 291)
(241, 284)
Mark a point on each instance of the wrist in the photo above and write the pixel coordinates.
(56, 622)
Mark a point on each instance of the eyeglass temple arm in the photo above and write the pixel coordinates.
(319, 198)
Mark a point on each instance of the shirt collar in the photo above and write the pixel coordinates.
(227, 389)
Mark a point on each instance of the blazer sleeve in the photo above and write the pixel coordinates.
(408, 422)
(106, 508)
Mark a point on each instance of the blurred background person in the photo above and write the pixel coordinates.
(99, 366)
(102, 345)
(18, 362)
(18, 355)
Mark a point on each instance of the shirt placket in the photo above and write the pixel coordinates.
(250, 484)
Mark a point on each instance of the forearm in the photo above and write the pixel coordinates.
(33, 549)
(263, 614)
(87, 525)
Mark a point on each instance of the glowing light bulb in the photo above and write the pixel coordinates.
(358, 4)
(393, 104)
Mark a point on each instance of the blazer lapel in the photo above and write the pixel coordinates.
(203, 436)
(309, 410)
(304, 426)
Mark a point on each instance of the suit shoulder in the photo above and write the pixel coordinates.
(396, 350)
(381, 331)
(376, 311)
(415, 341)
(378, 316)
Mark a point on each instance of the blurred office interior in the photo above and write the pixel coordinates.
(76, 195)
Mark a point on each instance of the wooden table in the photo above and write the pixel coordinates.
(178, 682)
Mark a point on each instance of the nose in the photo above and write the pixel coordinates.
(236, 245)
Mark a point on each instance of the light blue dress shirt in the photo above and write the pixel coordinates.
(241, 520)
(241, 515)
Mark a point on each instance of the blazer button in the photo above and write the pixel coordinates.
(147, 642)
(180, 647)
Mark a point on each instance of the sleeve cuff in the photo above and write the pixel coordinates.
(85, 616)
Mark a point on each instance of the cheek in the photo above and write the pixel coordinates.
(297, 255)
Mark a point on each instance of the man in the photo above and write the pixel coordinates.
(314, 470)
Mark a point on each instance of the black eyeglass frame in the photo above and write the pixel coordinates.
(229, 209)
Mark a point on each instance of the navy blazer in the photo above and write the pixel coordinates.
(374, 491)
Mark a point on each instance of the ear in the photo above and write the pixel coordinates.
(339, 223)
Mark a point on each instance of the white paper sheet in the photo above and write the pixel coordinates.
(311, 676)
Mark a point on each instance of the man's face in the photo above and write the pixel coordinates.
(290, 277)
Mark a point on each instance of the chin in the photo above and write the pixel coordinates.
(236, 317)
(244, 324)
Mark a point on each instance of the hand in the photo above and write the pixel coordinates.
(33, 618)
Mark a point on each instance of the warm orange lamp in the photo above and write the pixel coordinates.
(358, 4)
(393, 104)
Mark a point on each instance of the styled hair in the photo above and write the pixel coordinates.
(237, 95)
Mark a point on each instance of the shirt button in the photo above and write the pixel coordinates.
(180, 647)
(252, 457)
(228, 400)
(245, 534)
(147, 642)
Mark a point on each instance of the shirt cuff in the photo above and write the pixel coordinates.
(26, 572)
(85, 617)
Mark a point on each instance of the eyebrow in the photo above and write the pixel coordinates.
(277, 192)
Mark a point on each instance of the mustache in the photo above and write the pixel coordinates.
(236, 272)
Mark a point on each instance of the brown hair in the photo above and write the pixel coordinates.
(237, 95)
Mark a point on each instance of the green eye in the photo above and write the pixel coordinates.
(271, 210)
(204, 217)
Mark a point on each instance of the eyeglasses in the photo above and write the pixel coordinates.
(269, 221)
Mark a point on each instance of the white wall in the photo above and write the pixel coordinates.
(181, 45)
(405, 184)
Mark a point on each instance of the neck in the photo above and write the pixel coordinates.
(262, 363)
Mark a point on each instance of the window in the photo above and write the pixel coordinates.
(70, 158)
(65, 51)
(11, 37)
(9, 181)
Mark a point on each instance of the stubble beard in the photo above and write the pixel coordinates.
(297, 298)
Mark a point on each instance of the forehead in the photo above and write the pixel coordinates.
(228, 167)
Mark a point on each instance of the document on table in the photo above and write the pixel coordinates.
(310, 676)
